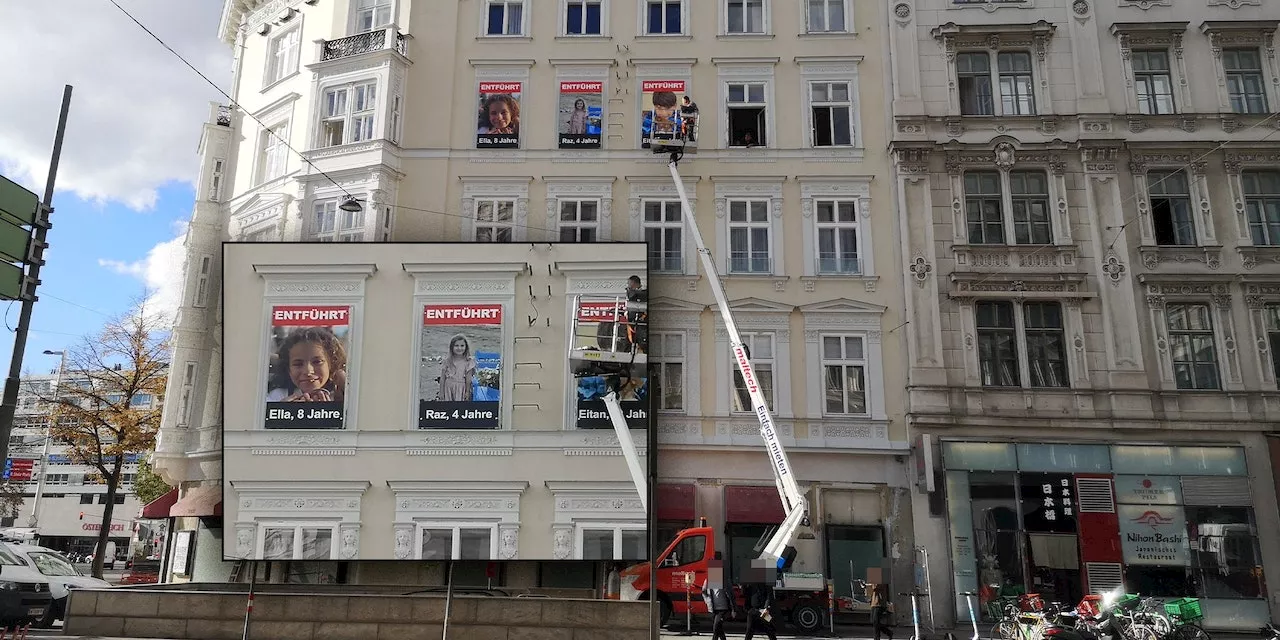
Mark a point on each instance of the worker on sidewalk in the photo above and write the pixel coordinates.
(878, 595)
(759, 592)
(719, 602)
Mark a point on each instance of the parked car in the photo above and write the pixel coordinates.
(24, 592)
(62, 576)
(142, 572)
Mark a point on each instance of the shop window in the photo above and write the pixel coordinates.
(1153, 80)
(1195, 359)
(666, 371)
(664, 17)
(747, 115)
(742, 539)
(1012, 74)
(760, 349)
(1159, 582)
(1226, 558)
(1170, 200)
(851, 550)
(1049, 518)
(579, 220)
(1262, 204)
(994, 503)
(1245, 85)
(567, 574)
(475, 573)
(315, 572)
(664, 234)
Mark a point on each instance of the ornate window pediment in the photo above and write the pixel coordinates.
(1021, 285)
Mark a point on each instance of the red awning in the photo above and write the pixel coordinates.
(199, 502)
(753, 505)
(158, 509)
(675, 502)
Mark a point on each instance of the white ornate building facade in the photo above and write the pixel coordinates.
(1087, 191)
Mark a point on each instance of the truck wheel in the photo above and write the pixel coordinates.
(807, 618)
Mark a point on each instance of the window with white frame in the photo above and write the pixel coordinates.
(1027, 205)
(394, 125)
(1169, 195)
(371, 14)
(1246, 88)
(760, 350)
(831, 105)
(844, 375)
(744, 17)
(838, 242)
(296, 542)
(583, 17)
(1261, 190)
(448, 541)
(1191, 345)
(1153, 81)
(664, 17)
(579, 220)
(607, 541)
(203, 272)
(1011, 73)
(495, 220)
(827, 16)
(750, 236)
(1009, 334)
(747, 109)
(504, 18)
(282, 55)
(331, 224)
(348, 114)
(664, 234)
(666, 369)
(273, 152)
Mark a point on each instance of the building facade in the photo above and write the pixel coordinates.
(1085, 190)
(487, 120)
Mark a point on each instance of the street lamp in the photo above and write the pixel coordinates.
(351, 205)
(34, 520)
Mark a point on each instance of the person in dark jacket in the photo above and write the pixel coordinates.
(878, 594)
(720, 603)
(759, 617)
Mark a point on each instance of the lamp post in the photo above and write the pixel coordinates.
(34, 520)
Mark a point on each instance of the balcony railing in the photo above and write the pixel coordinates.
(367, 42)
(838, 264)
(666, 262)
(750, 263)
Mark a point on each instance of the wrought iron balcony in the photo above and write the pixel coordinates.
(367, 42)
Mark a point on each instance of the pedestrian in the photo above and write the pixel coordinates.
(720, 605)
(759, 617)
(878, 594)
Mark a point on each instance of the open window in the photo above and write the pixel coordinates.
(747, 108)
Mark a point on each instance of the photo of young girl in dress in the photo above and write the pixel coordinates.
(581, 115)
(460, 372)
(307, 365)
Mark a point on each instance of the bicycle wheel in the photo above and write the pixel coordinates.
(1189, 631)
(1141, 632)
(1003, 630)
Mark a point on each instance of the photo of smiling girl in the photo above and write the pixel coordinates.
(306, 382)
(498, 116)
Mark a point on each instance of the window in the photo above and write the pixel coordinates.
(583, 18)
(331, 224)
(747, 115)
(495, 220)
(1262, 203)
(1170, 195)
(832, 108)
(664, 233)
(348, 114)
(749, 237)
(744, 17)
(140, 400)
(1195, 358)
(613, 542)
(505, 18)
(282, 56)
(760, 351)
(666, 370)
(188, 387)
(1028, 202)
(1225, 555)
(1010, 333)
(664, 17)
(393, 129)
(372, 14)
(579, 220)
(273, 152)
(457, 542)
(1153, 81)
(202, 282)
(844, 375)
(837, 222)
(86, 498)
(52, 564)
(975, 79)
(827, 16)
(1245, 87)
(215, 180)
(297, 543)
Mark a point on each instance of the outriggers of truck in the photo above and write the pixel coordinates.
(802, 595)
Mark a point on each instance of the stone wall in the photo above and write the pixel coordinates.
(143, 613)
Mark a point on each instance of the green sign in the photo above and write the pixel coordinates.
(17, 203)
(10, 281)
(13, 241)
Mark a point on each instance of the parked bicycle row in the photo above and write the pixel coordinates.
(1111, 616)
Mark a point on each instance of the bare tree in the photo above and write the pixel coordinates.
(109, 403)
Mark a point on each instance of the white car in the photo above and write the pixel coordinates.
(61, 574)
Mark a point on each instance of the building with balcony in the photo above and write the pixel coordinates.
(1086, 190)
(488, 121)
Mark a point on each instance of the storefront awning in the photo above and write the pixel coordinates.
(158, 509)
(753, 505)
(199, 502)
(674, 502)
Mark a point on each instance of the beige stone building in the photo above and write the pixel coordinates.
(412, 108)
(1087, 190)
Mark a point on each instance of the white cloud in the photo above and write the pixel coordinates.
(160, 271)
(136, 109)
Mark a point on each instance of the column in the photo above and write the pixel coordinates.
(924, 328)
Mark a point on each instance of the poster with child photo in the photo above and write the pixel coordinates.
(667, 112)
(307, 367)
(460, 370)
(498, 117)
(581, 114)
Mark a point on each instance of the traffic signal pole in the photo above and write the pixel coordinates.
(39, 235)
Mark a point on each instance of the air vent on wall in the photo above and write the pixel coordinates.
(1103, 576)
(1095, 495)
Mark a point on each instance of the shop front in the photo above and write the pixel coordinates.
(1063, 520)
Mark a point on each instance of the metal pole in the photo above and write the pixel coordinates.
(448, 602)
(248, 609)
(48, 435)
(10, 402)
